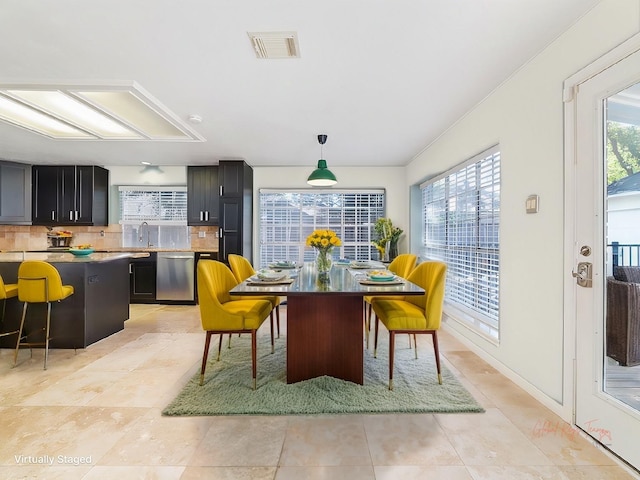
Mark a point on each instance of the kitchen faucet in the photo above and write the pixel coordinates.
(141, 235)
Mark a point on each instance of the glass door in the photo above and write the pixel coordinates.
(607, 262)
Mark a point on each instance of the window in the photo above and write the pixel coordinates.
(287, 217)
(154, 216)
(461, 226)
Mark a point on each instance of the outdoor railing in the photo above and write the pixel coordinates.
(624, 254)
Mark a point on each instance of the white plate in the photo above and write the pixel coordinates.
(270, 275)
(360, 265)
(381, 275)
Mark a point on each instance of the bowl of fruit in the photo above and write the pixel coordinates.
(82, 250)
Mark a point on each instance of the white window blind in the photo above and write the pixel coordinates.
(461, 226)
(156, 205)
(287, 217)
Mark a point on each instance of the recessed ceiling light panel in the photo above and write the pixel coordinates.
(91, 112)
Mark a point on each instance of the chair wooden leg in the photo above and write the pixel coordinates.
(24, 315)
(392, 341)
(46, 338)
(415, 344)
(220, 346)
(271, 322)
(229, 345)
(368, 328)
(278, 319)
(375, 339)
(436, 352)
(254, 347)
(206, 354)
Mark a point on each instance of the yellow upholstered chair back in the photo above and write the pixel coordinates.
(431, 277)
(7, 290)
(403, 264)
(241, 267)
(40, 282)
(214, 282)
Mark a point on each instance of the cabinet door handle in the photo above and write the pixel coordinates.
(77, 216)
(53, 214)
(201, 215)
(70, 214)
(221, 233)
(220, 190)
(206, 216)
(130, 269)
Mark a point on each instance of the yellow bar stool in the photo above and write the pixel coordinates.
(7, 291)
(39, 282)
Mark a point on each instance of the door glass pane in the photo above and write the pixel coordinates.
(622, 329)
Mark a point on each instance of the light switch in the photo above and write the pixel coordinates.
(532, 204)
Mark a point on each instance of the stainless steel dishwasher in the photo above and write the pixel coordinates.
(174, 276)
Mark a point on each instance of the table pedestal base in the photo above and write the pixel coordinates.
(325, 337)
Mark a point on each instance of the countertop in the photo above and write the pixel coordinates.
(66, 257)
(155, 249)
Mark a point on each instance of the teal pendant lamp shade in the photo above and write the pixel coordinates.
(322, 176)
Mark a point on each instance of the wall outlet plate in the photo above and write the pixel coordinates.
(202, 234)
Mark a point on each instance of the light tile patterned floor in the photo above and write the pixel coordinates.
(97, 415)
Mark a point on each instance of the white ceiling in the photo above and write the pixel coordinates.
(382, 78)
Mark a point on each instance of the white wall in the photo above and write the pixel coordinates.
(390, 178)
(525, 116)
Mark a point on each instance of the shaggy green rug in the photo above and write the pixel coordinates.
(227, 388)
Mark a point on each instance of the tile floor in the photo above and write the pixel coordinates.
(96, 414)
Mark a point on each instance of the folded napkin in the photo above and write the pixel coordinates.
(257, 282)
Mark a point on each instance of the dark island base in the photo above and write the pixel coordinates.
(98, 308)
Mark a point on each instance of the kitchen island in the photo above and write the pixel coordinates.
(98, 307)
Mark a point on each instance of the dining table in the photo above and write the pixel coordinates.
(325, 318)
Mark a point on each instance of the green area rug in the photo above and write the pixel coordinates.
(227, 388)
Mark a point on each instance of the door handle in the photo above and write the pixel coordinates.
(583, 275)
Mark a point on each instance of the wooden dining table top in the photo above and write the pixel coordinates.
(343, 280)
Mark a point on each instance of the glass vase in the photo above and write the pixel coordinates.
(393, 250)
(323, 265)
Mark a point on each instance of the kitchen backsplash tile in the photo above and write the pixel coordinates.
(26, 237)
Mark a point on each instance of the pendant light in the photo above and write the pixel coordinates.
(322, 176)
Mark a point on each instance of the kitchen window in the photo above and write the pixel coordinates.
(287, 217)
(154, 216)
(461, 226)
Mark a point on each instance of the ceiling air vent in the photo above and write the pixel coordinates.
(275, 44)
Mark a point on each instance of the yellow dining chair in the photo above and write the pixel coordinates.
(414, 314)
(221, 314)
(402, 266)
(39, 282)
(7, 291)
(242, 269)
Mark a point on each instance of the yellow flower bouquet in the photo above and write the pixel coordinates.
(323, 241)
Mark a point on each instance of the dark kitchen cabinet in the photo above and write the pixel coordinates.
(70, 195)
(202, 195)
(142, 284)
(15, 193)
(236, 209)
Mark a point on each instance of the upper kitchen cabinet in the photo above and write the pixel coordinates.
(70, 195)
(15, 193)
(236, 209)
(202, 195)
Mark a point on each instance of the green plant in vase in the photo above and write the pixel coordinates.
(387, 236)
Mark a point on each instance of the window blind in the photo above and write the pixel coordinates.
(461, 226)
(156, 205)
(287, 217)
